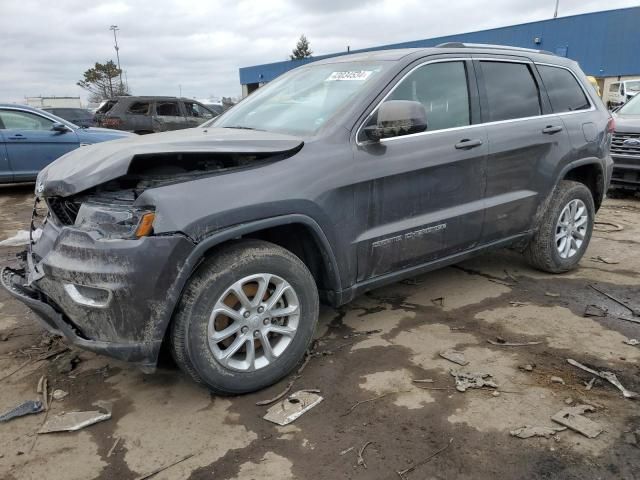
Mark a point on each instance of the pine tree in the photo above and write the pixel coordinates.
(302, 49)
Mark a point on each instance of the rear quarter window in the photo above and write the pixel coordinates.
(139, 108)
(511, 91)
(563, 89)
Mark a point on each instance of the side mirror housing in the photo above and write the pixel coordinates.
(396, 118)
(59, 127)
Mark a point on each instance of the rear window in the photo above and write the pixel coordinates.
(139, 108)
(563, 89)
(167, 109)
(614, 87)
(511, 91)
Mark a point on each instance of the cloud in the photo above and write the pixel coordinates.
(200, 45)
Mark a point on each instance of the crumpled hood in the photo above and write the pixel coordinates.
(93, 165)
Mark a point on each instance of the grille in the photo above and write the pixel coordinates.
(65, 210)
(618, 146)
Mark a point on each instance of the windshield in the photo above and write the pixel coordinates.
(632, 86)
(303, 100)
(632, 107)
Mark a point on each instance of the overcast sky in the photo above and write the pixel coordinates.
(200, 44)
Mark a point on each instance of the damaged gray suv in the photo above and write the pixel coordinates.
(338, 177)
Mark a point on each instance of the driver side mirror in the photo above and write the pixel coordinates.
(59, 127)
(396, 118)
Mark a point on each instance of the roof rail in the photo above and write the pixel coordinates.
(487, 45)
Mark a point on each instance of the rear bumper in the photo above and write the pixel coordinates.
(626, 172)
(113, 297)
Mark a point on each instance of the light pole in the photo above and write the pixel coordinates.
(555, 12)
(115, 28)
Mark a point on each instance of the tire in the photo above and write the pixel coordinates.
(206, 359)
(542, 252)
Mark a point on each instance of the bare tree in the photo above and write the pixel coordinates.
(101, 81)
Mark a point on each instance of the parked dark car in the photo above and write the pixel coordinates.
(625, 147)
(30, 139)
(78, 116)
(152, 114)
(336, 178)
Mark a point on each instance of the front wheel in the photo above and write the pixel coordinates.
(565, 229)
(246, 318)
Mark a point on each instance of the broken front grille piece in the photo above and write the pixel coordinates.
(65, 210)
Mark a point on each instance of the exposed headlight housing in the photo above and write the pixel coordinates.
(115, 221)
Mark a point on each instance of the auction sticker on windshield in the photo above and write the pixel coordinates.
(360, 75)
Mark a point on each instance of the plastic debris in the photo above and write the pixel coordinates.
(572, 417)
(632, 341)
(557, 380)
(595, 311)
(529, 431)
(21, 238)
(59, 394)
(466, 380)
(455, 357)
(608, 376)
(27, 408)
(290, 408)
(73, 421)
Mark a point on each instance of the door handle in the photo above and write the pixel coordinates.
(466, 144)
(18, 136)
(550, 129)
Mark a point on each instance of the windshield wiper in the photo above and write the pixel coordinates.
(240, 127)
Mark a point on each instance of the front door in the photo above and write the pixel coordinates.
(196, 114)
(421, 195)
(6, 175)
(168, 116)
(31, 144)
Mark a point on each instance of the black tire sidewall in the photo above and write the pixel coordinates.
(576, 192)
(202, 359)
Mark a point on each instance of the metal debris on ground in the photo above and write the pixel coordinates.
(501, 342)
(589, 385)
(360, 457)
(572, 417)
(279, 396)
(551, 294)
(290, 408)
(632, 341)
(634, 311)
(357, 404)
(519, 304)
(529, 431)
(424, 380)
(608, 376)
(165, 467)
(403, 473)
(345, 451)
(557, 380)
(26, 408)
(466, 380)
(604, 260)
(438, 301)
(59, 394)
(73, 421)
(527, 368)
(361, 334)
(113, 447)
(454, 356)
(568, 400)
(595, 311)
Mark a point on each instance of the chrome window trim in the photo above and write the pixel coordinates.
(497, 122)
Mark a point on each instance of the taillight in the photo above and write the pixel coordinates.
(611, 125)
(112, 122)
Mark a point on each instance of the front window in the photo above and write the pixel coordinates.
(304, 100)
(633, 86)
(632, 107)
(18, 120)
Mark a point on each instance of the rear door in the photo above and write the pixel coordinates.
(526, 144)
(139, 116)
(6, 175)
(421, 194)
(168, 116)
(30, 142)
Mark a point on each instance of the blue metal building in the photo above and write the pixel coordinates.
(606, 44)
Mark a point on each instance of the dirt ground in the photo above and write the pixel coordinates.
(158, 420)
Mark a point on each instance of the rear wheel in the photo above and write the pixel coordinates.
(565, 229)
(246, 318)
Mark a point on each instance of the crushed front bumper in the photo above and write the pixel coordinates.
(113, 297)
